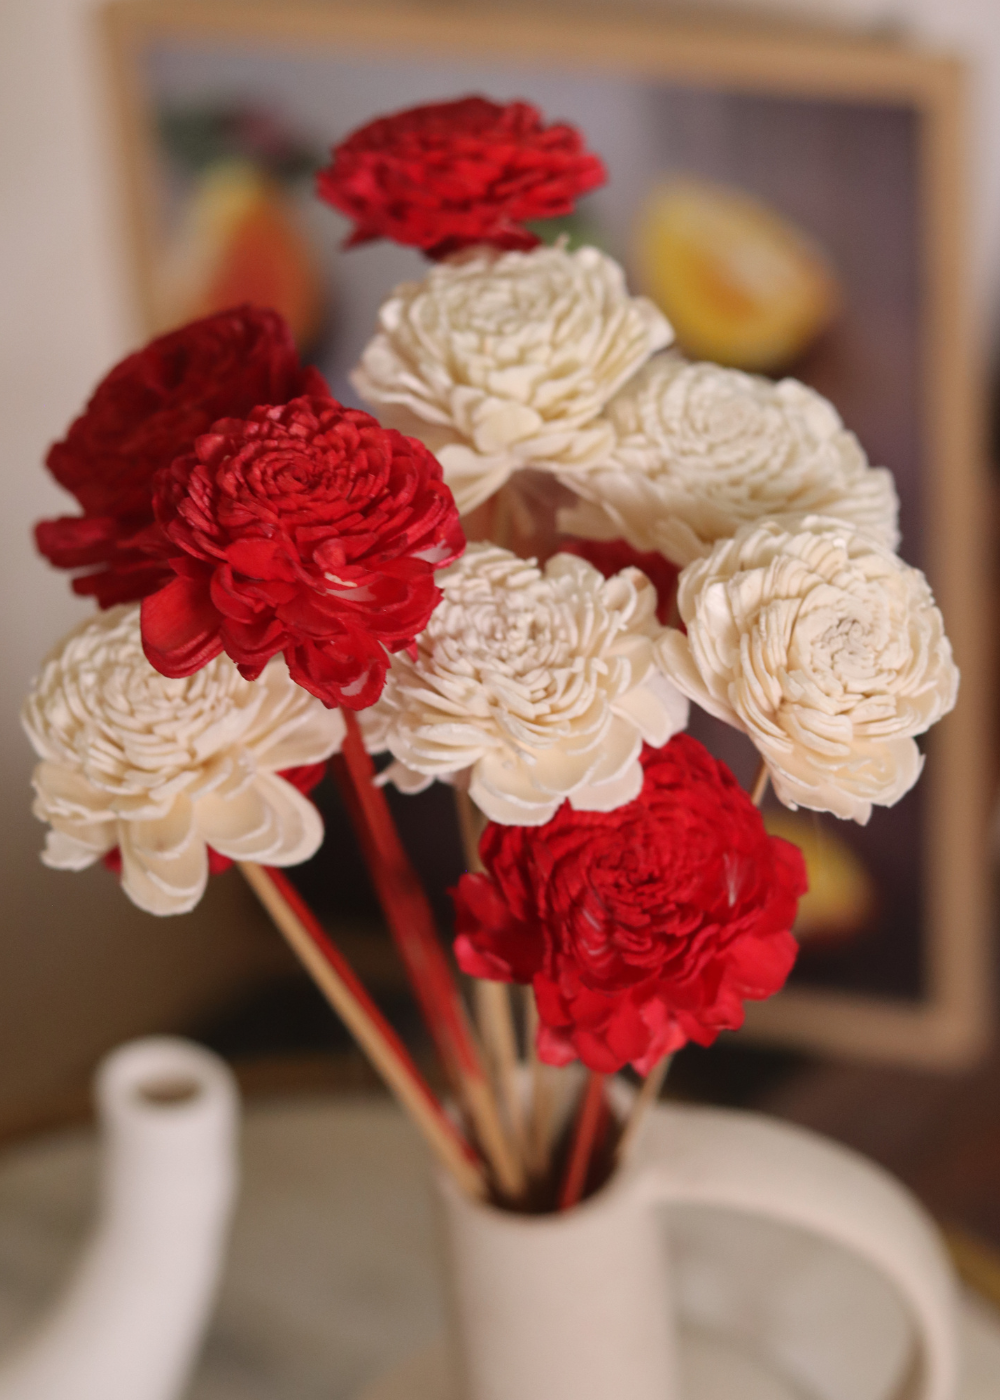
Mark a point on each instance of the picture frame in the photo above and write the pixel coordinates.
(943, 1016)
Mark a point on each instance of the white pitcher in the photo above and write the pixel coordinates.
(576, 1306)
(131, 1319)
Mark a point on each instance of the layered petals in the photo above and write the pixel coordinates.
(529, 687)
(148, 410)
(823, 647)
(701, 451)
(641, 928)
(504, 362)
(165, 779)
(304, 529)
(452, 174)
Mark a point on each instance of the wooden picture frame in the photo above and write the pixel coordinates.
(949, 1022)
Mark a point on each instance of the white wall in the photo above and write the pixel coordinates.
(78, 966)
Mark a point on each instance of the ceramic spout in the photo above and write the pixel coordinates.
(130, 1321)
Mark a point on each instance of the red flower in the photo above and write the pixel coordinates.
(453, 174)
(306, 529)
(641, 928)
(142, 415)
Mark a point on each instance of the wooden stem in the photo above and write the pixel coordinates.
(759, 789)
(494, 1013)
(539, 1136)
(411, 923)
(586, 1137)
(334, 977)
(496, 1026)
(644, 1101)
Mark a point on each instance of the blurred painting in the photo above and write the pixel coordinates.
(781, 212)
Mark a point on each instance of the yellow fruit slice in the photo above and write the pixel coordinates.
(741, 285)
(842, 895)
(239, 240)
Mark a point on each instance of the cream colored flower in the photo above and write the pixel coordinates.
(162, 768)
(702, 450)
(531, 686)
(500, 361)
(826, 649)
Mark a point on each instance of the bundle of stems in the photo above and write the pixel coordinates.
(503, 1144)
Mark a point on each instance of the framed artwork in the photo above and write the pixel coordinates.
(795, 202)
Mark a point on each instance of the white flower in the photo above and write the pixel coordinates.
(501, 361)
(702, 450)
(162, 768)
(531, 686)
(826, 649)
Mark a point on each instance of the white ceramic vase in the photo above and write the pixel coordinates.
(131, 1318)
(576, 1306)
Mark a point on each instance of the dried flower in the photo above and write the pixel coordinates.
(702, 450)
(148, 410)
(503, 362)
(826, 649)
(532, 686)
(642, 928)
(305, 529)
(452, 174)
(163, 769)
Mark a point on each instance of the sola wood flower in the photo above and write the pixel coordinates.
(642, 928)
(502, 362)
(702, 450)
(305, 529)
(162, 769)
(142, 415)
(451, 174)
(531, 686)
(826, 649)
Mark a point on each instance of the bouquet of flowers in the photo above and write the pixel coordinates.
(285, 583)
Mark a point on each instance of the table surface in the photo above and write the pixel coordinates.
(333, 1279)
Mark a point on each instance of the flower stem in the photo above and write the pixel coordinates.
(411, 923)
(335, 978)
(759, 790)
(591, 1118)
(494, 1014)
(643, 1102)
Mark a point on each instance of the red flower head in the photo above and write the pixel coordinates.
(142, 415)
(641, 928)
(307, 529)
(453, 174)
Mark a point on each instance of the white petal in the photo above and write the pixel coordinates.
(607, 797)
(656, 708)
(163, 884)
(65, 852)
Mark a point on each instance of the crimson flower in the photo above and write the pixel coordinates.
(453, 174)
(307, 529)
(642, 928)
(144, 413)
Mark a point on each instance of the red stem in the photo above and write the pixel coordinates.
(591, 1120)
(346, 973)
(406, 908)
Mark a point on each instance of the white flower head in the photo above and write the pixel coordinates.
(501, 361)
(702, 451)
(826, 649)
(162, 769)
(533, 686)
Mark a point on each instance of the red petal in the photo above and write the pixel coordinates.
(180, 628)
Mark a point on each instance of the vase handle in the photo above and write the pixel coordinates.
(748, 1163)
